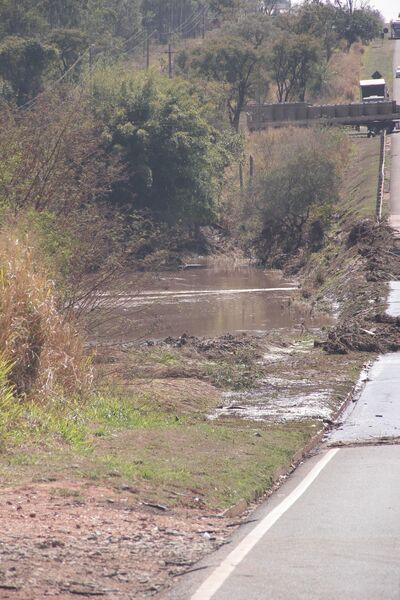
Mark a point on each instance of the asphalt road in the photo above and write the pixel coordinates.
(332, 531)
(338, 539)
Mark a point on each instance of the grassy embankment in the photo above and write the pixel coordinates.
(149, 427)
(350, 275)
(157, 436)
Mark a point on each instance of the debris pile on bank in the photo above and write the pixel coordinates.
(379, 333)
(212, 347)
(375, 243)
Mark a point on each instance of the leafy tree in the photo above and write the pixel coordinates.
(293, 59)
(358, 25)
(182, 16)
(22, 65)
(70, 44)
(220, 6)
(62, 13)
(173, 160)
(234, 57)
(289, 195)
(108, 19)
(314, 18)
(20, 18)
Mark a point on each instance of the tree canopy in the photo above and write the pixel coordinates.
(173, 159)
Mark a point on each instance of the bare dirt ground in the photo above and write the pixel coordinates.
(64, 540)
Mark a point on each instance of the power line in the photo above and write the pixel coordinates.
(184, 28)
(192, 16)
(194, 24)
(57, 82)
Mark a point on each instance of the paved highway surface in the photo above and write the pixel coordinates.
(332, 532)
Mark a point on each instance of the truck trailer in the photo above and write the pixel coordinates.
(375, 111)
(395, 30)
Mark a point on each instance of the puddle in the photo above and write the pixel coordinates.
(276, 407)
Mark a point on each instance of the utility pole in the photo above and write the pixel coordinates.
(170, 61)
(203, 23)
(91, 56)
(251, 167)
(147, 51)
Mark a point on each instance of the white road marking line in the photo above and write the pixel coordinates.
(212, 584)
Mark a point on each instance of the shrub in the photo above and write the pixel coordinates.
(297, 180)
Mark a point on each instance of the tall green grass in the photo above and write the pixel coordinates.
(10, 408)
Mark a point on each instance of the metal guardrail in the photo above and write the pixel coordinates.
(381, 177)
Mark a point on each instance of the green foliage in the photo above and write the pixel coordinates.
(293, 61)
(173, 160)
(361, 25)
(110, 24)
(168, 15)
(54, 241)
(70, 44)
(219, 6)
(10, 408)
(20, 18)
(124, 412)
(22, 65)
(235, 57)
(62, 13)
(293, 196)
(315, 19)
(10, 161)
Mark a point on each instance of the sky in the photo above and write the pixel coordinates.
(389, 8)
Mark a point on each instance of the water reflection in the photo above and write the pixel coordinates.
(203, 302)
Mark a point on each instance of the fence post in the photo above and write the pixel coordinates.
(381, 177)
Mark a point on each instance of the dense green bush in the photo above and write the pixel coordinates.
(173, 160)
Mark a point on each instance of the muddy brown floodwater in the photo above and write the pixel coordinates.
(205, 301)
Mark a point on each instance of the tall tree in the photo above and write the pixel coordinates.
(181, 16)
(23, 64)
(70, 44)
(62, 13)
(293, 59)
(20, 18)
(315, 18)
(234, 57)
(362, 25)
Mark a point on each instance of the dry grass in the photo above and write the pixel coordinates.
(343, 77)
(45, 351)
(272, 148)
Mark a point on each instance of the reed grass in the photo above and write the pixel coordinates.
(45, 351)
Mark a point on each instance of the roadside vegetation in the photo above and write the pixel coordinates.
(107, 166)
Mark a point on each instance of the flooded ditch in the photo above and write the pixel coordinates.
(210, 302)
(203, 301)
